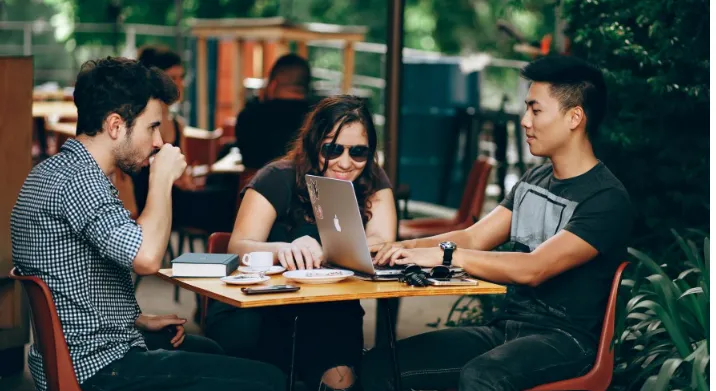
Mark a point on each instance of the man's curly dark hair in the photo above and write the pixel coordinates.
(117, 85)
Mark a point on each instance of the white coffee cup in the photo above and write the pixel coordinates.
(259, 261)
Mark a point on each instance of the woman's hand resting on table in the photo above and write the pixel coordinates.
(302, 253)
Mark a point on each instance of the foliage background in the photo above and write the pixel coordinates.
(655, 55)
(656, 140)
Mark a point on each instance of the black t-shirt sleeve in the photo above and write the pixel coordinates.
(509, 200)
(604, 220)
(276, 183)
(382, 182)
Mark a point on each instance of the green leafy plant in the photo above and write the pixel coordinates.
(655, 56)
(661, 336)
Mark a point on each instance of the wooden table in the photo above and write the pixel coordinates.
(50, 112)
(351, 289)
(227, 165)
(66, 129)
(50, 109)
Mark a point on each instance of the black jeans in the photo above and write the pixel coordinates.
(197, 365)
(329, 335)
(508, 355)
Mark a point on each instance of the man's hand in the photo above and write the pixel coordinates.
(427, 257)
(159, 322)
(168, 163)
(302, 253)
(385, 252)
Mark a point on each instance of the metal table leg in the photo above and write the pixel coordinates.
(381, 328)
(393, 348)
(291, 374)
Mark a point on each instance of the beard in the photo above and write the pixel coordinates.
(129, 160)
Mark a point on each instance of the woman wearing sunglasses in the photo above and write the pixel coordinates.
(338, 140)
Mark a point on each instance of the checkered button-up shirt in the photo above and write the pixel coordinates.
(70, 229)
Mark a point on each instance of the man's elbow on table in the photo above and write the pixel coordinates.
(145, 264)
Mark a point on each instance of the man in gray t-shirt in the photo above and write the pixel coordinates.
(568, 222)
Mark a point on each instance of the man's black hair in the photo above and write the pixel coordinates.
(117, 85)
(573, 82)
(292, 70)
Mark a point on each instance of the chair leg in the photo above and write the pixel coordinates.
(182, 236)
(191, 243)
(137, 280)
(170, 251)
(180, 248)
(204, 306)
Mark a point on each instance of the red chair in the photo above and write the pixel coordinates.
(50, 340)
(473, 197)
(218, 244)
(599, 377)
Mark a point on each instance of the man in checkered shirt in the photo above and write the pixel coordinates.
(70, 229)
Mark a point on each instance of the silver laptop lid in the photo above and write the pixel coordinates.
(339, 223)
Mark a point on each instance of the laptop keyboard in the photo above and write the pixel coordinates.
(388, 267)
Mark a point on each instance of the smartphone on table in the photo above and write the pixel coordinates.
(460, 281)
(270, 289)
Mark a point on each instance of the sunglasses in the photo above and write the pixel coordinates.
(358, 153)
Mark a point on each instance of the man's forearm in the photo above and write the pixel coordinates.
(156, 221)
(499, 267)
(461, 238)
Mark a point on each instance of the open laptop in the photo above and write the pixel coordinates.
(341, 228)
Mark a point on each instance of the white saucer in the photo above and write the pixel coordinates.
(244, 279)
(318, 276)
(276, 269)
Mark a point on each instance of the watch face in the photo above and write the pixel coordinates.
(448, 246)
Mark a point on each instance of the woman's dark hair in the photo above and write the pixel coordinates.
(158, 56)
(341, 110)
(117, 85)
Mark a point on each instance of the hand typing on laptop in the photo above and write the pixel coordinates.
(387, 253)
(303, 253)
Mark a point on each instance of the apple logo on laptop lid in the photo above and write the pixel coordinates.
(337, 223)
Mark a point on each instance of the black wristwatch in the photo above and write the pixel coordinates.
(448, 249)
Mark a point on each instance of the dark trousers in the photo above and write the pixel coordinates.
(329, 335)
(197, 365)
(508, 355)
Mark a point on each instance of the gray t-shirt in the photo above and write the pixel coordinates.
(595, 207)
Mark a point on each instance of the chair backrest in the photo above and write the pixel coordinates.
(605, 354)
(600, 376)
(473, 197)
(50, 340)
(219, 242)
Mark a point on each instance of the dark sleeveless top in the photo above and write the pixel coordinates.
(140, 179)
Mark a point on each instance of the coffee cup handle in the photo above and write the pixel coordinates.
(246, 259)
